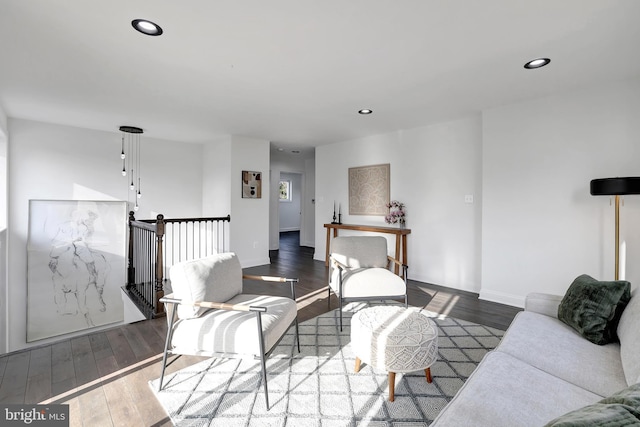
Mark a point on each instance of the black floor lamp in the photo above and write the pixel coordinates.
(616, 187)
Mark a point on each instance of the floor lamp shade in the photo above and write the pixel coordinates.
(616, 187)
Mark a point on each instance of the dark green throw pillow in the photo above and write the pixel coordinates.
(593, 308)
(619, 409)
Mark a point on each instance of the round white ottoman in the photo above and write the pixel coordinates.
(395, 339)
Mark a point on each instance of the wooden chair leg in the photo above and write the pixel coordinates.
(427, 373)
(392, 386)
(358, 362)
(329, 297)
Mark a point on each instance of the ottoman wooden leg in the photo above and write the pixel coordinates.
(357, 368)
(427, 372)
(392, 386)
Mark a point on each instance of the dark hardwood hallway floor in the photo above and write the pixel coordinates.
(103, 375)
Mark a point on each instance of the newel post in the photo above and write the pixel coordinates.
(131, 270)
(159, 264)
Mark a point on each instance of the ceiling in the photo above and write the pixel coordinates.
(295, 72)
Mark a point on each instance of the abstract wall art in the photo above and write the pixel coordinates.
(75, 265)
(369, 189)
(251, 185)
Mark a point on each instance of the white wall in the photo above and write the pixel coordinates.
(224, 160)
(3, 180)
(307, 231)
(432, 169)
(59, 162)
(3, 292)
(541, 227)
(290, 210)
(249, 217)
(3, 121)
(216, 187)
(3, 170)
(3, 232)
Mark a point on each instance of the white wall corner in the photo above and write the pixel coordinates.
(249, 227)
(254, 262)
(3, 122)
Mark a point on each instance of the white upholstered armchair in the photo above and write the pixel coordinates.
(359, 271)
(208, 315)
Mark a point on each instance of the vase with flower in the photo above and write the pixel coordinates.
(397, 214)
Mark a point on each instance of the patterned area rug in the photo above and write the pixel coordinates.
(318, 386)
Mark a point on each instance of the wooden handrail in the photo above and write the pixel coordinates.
(170, 220)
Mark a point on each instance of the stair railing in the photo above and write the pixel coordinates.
(156, 245)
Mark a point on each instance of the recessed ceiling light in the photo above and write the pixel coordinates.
(537, 63)
(146, 27)
(365, 111)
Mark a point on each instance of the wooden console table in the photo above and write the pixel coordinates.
(401, 238)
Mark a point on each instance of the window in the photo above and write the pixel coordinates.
(285, 191)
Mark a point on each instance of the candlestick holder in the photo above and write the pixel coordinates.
(334, 217)
(339, 218)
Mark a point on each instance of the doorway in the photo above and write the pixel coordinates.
(299, 213)
(290, 202)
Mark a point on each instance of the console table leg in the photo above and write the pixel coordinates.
(392, 386)
(326, 255)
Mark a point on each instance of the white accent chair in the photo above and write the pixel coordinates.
(208, 315)
(359, 270)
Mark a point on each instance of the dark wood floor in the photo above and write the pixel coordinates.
(103, 376)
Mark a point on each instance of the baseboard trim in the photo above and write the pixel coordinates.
(502, 298)
(424, 279)
(255, 262)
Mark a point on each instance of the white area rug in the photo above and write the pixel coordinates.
(318, 386)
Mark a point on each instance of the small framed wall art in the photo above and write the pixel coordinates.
(251, 185)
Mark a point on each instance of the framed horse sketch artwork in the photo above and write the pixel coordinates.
(75, 265)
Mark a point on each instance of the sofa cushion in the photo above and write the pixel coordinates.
(551, 346)
(620, 409)
(593, 308)
(505, 391)
(216, 278)
(630, 339)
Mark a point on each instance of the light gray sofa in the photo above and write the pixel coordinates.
(543, 369)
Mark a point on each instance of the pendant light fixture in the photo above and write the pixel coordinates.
(130, 156)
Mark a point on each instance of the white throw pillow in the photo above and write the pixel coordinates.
(216, 278)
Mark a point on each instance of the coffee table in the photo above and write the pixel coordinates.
(396, 339)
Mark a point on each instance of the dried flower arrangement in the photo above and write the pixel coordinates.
(396, 213)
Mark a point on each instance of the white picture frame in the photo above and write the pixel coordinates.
(76, 265)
